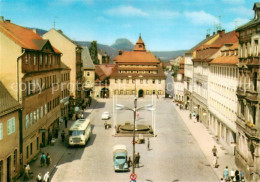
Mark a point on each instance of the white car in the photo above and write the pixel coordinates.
(105, 115)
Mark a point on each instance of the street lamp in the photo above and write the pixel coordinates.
(148, 107)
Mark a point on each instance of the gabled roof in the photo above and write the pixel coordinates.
(134, 56)
(86, 59)
(226, 59)
(7, 102)
(140, 46)
(103, 71)
(22, 36)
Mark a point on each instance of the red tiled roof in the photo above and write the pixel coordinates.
(104, 70)
(225, 60)
(135, 56)
(22, 36)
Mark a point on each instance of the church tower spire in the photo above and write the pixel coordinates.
(140, 46)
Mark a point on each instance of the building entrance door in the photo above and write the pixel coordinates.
(8, 169)
(140, 93)
(43, 138)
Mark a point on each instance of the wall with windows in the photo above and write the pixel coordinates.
(131, 86)
(9, 142)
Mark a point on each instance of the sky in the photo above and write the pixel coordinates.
(164, 25)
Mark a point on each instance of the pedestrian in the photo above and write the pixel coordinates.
(105, 124)
(39, 177)
(190, 116)
(46, 177)
(226, 173)
(214, 151)
(63, 135)
(242, 179)
(232, 174)
(148, 144)
(48, 159)
(198, 118)
(49, 138)
(137, 160)
(66, 122)
(26, 176)
(222, 180)
(42, 159)
(215, 162)
(237, 177)
(129, 162)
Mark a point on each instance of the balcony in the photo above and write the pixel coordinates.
(251, 95)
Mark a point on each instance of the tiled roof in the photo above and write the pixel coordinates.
(103, 71)
(135, 56)
(225, 60)
(200, 43)
(86, 59)
(7, 102)
(24, 37)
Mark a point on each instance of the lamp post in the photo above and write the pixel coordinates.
(148, 107)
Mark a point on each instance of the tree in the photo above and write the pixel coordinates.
(93, 51)
(175, 70)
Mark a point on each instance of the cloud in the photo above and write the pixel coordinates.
(241, 10)
(201, 17)
(167, 14)
(101, 19)
(126, 11)
(233, 1)
(235, 23)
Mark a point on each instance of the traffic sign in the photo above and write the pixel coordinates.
(133, 176)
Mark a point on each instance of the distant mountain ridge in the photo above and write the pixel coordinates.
(125, 45)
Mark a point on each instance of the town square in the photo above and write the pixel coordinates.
(107, 91)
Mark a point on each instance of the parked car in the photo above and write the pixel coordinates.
(105, 115)
(120, 158)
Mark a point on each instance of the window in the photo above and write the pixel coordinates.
(27, 152)
(147, 92)
(31, 116)
(26, 58)
(41, 59)
(141, 81)
(46, 59)
(127, 81)
(159, 81)
(50, 59)
(15, 157)
(133, 81)
(37, 145)
(121, 92)
(11, 126)
(1, 133)
(146, 81)
(31, 147)
(27, 121)
(153, 81)
(46, 109)
(121, 80)
(38, 114)
(128, 92)
(34, 59)
(115, 80)
(88, 74)
(34, 116)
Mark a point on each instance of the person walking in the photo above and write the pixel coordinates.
(214, 151)
(42, 159)
(237, 177)
(232, 174)
(39, 177)
(137, 160)
(48, 159)
(129, 162)
(63, 135)
(148, 144)
(215, 162)
(226, 173)
(66, 122)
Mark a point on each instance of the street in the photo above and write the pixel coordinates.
(174, 154)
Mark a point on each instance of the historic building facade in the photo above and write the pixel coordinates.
(71, 57)
(30, 71)
(137, 72)
(204, 54)
(10, 150)
(248, 93)
(222, 100)
(179, 84)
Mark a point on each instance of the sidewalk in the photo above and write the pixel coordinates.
(206, 142)
(56, 151)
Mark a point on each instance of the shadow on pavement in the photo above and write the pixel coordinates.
(100, 105)
(91, 140)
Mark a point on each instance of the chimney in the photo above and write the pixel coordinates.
(214, 33)
(256, 8)
(207, 35)
(34, 30)
(8, 21)
(60, 31)
(2, 18)
(218, 31)
(120, 52)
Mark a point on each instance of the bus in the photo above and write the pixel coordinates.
(80, 132)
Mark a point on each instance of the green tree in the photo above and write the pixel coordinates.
(175, 70)
(93, 51)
